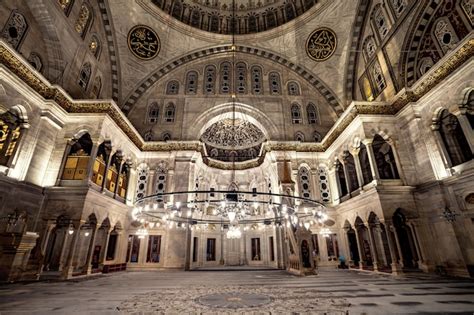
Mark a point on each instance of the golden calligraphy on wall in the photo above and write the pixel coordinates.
(143, 42)
(321, 44)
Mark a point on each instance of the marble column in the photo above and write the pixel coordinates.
(359, 248)
(377, 233)
(67, 150)
(68, 269)
(396, 267)
(360, 177)
(442, 148)
(90, 252)
(373, 248)
(398, 164)
(90, 165)
(466, 127)
(373, 164)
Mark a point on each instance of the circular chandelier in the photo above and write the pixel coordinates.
(234, 211)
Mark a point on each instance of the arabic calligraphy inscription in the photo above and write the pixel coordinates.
(321, 44)
(143, 42)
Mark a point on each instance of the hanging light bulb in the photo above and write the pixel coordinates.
(231, 215)
(189, 213)
(152, 224)
(178, 204)
(71, 231)
(306, 225)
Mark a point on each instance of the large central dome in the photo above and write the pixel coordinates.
(251, 16)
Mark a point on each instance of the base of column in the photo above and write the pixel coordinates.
(67, 273)
(396, 269)
(375, 265)
(361, 265)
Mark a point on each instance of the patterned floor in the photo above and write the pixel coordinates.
(243, 292)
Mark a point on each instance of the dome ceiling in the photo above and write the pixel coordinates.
(233, 139)
(252, 16)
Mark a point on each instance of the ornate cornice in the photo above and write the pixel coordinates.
(19, 67)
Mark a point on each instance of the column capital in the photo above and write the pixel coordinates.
(367, 141)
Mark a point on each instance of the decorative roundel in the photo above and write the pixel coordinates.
(321, 44)
(143, 42)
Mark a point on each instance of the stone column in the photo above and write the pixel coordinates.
(393, 144)
(359, 248)
(396, 267)
(68, 269)
(334, 185)
(442, 148)
(103, 255)
(188, 254)
(360, 177)
(349, 259)
(373, 248)
(90, 165)
(466, 127)
(346, 176)
(415, 244)
(62, 259)
(122, 162)
(371, 155)
(88, 266)
(67, 150)
(377, 233)
(107, 165)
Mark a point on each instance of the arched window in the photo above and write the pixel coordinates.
(384, 159)
(177, 9)
(305, 182)
(94, 46)
(365, 164)
(15, 29)
(299, 136)
(257, 80)
(252, 22)
(293, 88)
(377, 75)
(160, 184)
(166, 136)
(85, 75)
(191, 82)
(445, 35)
(380, 21)
(274, 80)
(100, 162)
(172, 88)
(214, 23)
(454, 139)
(369, 47)
(317, 136)
(296, 114)
(66, 6)
(84, 20)
(169, 113)
(225, 77)
(312, 114)
(270, 19)
(11, 131)
(195, 18)
(425, 64)
(289, 11)
(470, 108)
(210, 80)
(324, 185)
(141, 182)
(341, 178)
(153, 113)
(148, 136)
(35, 60)
(398, 6)
(241, 78)
(96, 87)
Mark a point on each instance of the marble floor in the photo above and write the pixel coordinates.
(242, 292)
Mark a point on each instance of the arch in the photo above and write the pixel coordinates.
(405, 239)
(305, 182)
(398, 6)
(454, 140)
(352, 242)
(225, 83)
(317, 136)
(100, 163)
(304, 73)
(66, 6)
(311, 112)
(210, 79)
(95, 46)
(341, 178)
(12, 127)
(148, 136)
(365, 164)
(170, 112)
(142, 180)
(369, 47)
(384, 159)
(351, 172)
(36, 61)
(85, 75)
(299, 136)
(172, 87)
(166, 136)
(324, 184)
(257, 88)
(240, 78)
(84, 19)
(274, 82)
(362, 234)
(191, 82)
(77, 160)
(296, 117)
(379, 21)
(153, 113)
(293, 88)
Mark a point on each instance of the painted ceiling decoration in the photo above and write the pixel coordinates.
(321, 44)
(143, 42)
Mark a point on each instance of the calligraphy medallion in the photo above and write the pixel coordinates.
(321, 44)
(143, 42)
